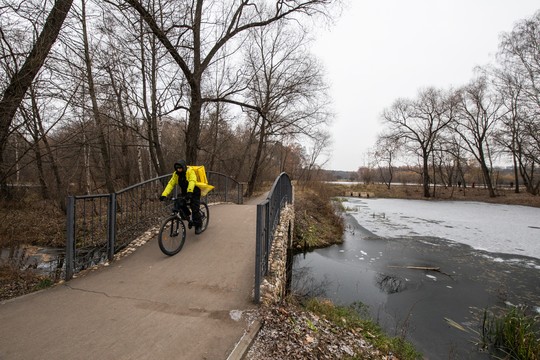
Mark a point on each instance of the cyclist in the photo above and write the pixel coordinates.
(186, 179)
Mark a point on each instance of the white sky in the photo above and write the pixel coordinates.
(508, 229)
(379, 51)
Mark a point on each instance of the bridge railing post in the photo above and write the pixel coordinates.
(111, 226)
(262, 211)
(70, 237)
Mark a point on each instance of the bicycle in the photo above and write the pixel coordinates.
(172, 233)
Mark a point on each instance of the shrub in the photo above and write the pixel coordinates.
(515, 333)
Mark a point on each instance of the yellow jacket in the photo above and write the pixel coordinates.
(191, 178)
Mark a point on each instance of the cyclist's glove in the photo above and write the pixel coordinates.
(162, 198)
(188, 196)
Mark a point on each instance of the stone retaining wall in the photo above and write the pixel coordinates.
(274, 285)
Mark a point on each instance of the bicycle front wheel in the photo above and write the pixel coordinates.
(172, 235)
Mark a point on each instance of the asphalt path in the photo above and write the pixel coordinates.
(194, 305)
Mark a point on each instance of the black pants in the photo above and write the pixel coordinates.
(194, 206)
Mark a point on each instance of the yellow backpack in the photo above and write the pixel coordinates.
(200, 172)
(202, 181)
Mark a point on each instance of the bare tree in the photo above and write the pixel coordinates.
(479, 112)
(312, 153)
(519, 84)
(202, 29)
(35, 126)
(98, 117)
(285, 86)
(22, 79)
(147, 86)
(386, 151)
(419, 122)
(510, 135)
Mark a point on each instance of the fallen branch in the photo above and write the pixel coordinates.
(428, 268)
(418, 267)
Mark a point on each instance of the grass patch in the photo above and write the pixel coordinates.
(31, 221)
(43, 284)
(15, 282)
(514, 334)
(317, 218)
(354, 318)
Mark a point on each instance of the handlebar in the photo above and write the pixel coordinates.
(180, 197)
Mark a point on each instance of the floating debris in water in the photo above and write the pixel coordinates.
(455, 324)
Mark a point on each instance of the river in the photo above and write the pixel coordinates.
(431, 290)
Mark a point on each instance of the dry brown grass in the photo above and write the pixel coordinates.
(31, 222)
(26, 222)
(317, 223)
(16, 282)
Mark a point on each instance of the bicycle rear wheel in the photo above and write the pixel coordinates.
(172, 235)
(205, 215)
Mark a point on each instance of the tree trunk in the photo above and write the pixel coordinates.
(256, 163)
(434, 194)
(425, 174)
(31, 121)
(151, 110)
(486, 172)
(516, 174)
(215, 139)
(245, 155)
(103, 146)
(487, 179)
(60, 189)
(194, 125)
(140, 162)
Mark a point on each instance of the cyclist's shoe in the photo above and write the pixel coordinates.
(198, 229)
(190, 224)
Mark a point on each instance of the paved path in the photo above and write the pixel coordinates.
(146, 305)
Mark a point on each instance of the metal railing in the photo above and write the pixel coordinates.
(98, 226)
(226, 189)
(268, 215)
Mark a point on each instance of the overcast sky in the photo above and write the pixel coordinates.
(379, 51)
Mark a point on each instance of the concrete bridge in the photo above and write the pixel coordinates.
(197, 304)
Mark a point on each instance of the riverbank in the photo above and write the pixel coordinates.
(303, 328)
(320, 330)
(317, 218)
(318, 223)
(312, 205)
(504, 195)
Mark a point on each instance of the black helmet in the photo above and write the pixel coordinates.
(180, 164)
